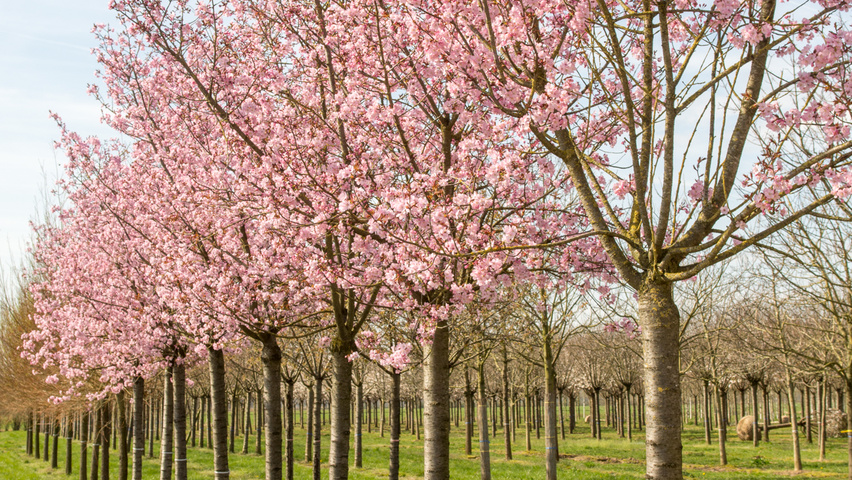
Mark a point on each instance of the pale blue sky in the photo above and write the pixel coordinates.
(45, 65)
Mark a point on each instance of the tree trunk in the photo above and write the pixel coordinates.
(271, 358)
(550, 440)
(317, 428)
(123, 460)
(572, 413)
(765, 415)
(69, 429)
(84, 440)
(821, 393)
(707, 420)
(848, 420)
(258, 417)
(167, 436)
(290, 419)
(217, 408)
(96, 447)
(723, 432)
(395, 427)
(234, 406)
(468, 414)
(807, 395)
(106, 425)
(179, 377)
(755, 430)
(507, 427)
(660, 322)
(484, 450)
(436, 394)
(309, 442)
(246, 422)
(138, 430)
(359, 417)
(794, 421)
(341, 420)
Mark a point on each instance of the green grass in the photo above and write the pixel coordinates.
(583, 458)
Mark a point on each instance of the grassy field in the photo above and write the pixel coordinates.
(583, 458)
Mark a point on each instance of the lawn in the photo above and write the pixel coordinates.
(583, 458)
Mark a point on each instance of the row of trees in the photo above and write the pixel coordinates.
(387, 178)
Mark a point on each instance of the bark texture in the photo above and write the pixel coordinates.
(436, 394)
(218, 412)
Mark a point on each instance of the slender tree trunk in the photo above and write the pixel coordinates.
(660, 322)
(309, 442)
(84, 440)
(468, 414)
(106, 426)
(36, 439)
(341, 420)
(96, 447)
(766, 418)
(572, 413)
(217, 414)
(723, 432)
(69, 436)
(168, 423)
(258, 417)
(54, 456)
(152, 426)
(359, 417)
(484, 450)
(234, 423)
(848, 419)
(551, 444)
(807, 395)
(755, 428)
(821, 393)
(123, 460)
(30, 433)
(289, 420)
(395, 424)
(707, 420)
(507, 427)
(436, 394)
(794, 421)
(246, 423)
(179, 377)
(271, 358)
(138, 430)
(317, 428)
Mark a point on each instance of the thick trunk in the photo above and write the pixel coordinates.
(359, 417)
(138, 430)
(179, 376)
(341, 398)
(550, 440)
(271, 358)
(436, 394)
(218, 413)
(395, 427)
(484, 444)
(288, 414)
(317, 439)
(660, 322)
(84, 440)
(168, 424)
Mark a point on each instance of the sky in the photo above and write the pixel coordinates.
(46, 65)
